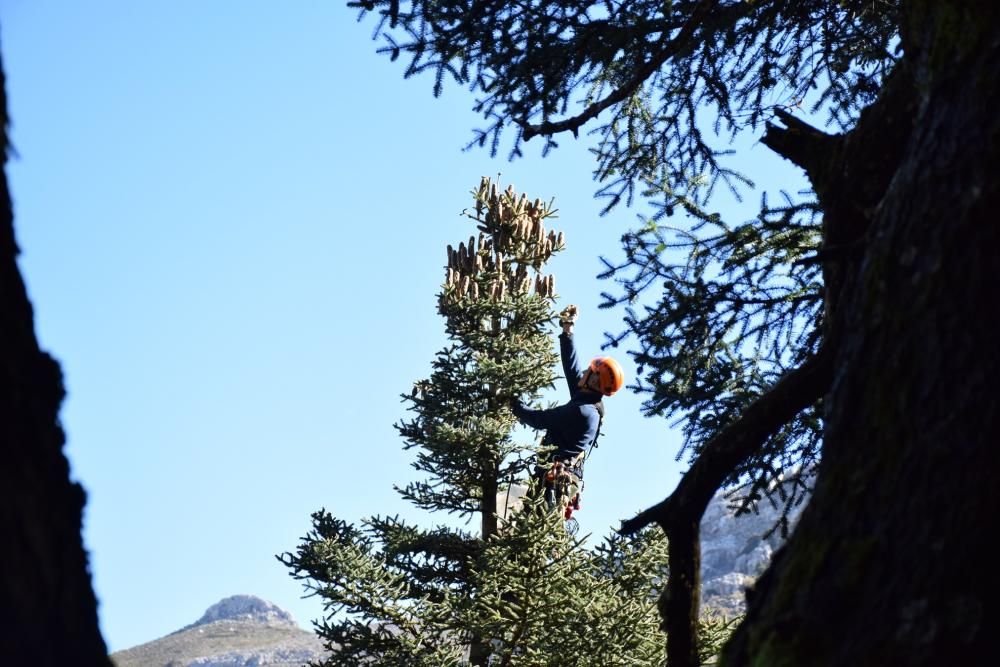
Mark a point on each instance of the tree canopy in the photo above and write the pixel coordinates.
(745, 330)
(643, 74)
(718, 309)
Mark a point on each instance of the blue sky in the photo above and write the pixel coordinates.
(232, 218)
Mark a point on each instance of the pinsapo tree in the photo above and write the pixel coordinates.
(521, 590)
(847, 322)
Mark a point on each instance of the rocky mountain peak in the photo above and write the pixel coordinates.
(238, 631)
(246, 608)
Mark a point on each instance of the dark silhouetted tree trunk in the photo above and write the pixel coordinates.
(48, 612)
(890, 563)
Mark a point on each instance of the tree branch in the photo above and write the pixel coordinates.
(802, 144)
(680, 513)
(667, 49)
(794, 392)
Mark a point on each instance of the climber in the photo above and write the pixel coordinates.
(574, 426)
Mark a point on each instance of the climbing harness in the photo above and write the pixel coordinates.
(564, 480)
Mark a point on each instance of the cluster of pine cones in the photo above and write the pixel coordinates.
(511, 239)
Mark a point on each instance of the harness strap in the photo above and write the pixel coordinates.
(600, 422)
(584, 455)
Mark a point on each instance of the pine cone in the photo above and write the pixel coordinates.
(568, 315)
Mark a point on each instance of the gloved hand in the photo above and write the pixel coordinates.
(568, 317)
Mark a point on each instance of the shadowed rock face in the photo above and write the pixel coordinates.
(238, 631)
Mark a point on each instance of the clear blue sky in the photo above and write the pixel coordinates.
(233, 217)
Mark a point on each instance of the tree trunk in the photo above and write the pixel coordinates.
(489, 508)
(48, 613)
(890, 563)
(479, 649)
(680, 601)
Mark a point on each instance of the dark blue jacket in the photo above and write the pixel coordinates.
(570, 427)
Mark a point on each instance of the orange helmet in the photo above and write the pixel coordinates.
(610, 377)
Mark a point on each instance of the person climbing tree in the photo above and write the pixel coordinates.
(403, 592)
(571, 428)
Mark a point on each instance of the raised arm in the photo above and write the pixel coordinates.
(567, 349)
(570, 361)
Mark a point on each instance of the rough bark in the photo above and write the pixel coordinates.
(890, 563)
(48, 612)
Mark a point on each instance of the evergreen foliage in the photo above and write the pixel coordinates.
(739, 306)
(718, 309)
(650, 67)
(521, 591)
(732, 321)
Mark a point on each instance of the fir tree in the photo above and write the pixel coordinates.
(768, 339)
(521, 590)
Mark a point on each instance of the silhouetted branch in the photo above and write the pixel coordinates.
(680, 513)
(794, 392)
(669, 48)
(801, 143)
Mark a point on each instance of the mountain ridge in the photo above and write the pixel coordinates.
(237, 631)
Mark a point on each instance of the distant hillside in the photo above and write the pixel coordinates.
(239, 631)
